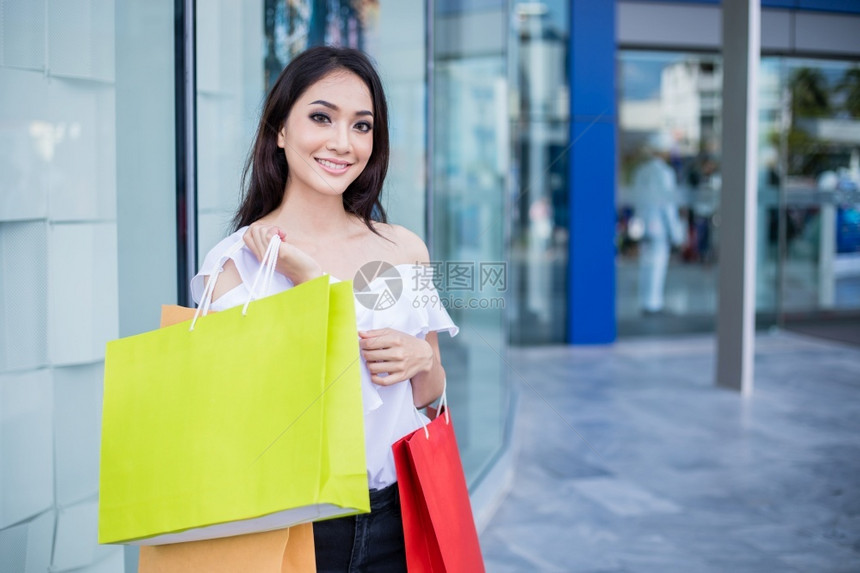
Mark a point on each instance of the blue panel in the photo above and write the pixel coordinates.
(591, 268)
(591, 264)
(778, 3)
(830, 5)
(592, 57)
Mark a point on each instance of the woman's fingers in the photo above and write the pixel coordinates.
(380, 355)
(385, 338)
(389, 367)
(253, 238)
(368, 334)
(384, 355)
(393, 356)
(387, 380)
(258, 236)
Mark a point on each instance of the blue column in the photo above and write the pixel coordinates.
(591, 268)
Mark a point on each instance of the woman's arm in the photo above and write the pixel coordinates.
(227, 280)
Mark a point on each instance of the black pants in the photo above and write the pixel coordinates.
(371, 542)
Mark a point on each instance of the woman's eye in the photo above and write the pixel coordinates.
(363, 127)
(319, 117)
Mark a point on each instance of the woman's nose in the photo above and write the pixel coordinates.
(339, 140)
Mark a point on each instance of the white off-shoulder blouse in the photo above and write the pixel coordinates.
(388, 410)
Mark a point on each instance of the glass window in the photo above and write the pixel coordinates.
(242, 48)
(469, 162)
(668, 194)
(541, 135)
(253, 42)
(808, 253)
(810, 177)
(231, 84)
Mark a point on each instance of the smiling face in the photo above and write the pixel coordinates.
(328, 136)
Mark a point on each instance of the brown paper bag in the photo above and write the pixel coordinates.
(288, 550)
(281, 551)
(174, 314)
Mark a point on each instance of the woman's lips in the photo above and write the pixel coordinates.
(333, 167)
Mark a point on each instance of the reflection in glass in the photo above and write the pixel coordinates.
(469, 173)
(291, 26)
(815, 229)
(808, 237)
(229, 92)
(541, 142)
(668, 194)
(655, 207)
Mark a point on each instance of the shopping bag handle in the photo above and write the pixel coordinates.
(267, 270)
(443, 406)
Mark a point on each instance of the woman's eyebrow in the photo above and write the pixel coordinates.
(330, 105)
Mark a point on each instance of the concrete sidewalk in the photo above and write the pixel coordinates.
(630, 460)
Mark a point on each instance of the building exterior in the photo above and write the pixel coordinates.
(516, 129)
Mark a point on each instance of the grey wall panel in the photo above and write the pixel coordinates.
(22, 35)
(13, 548)
(40, 542)
(456, 35)
(77, 431)
(827, 33)
(26, 445)
(776, 30)
(75, 537)
(668, 25)
(23, 296)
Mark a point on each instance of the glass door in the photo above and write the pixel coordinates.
(814, 230)
(668, 195)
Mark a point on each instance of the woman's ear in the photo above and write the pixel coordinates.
(282, 137)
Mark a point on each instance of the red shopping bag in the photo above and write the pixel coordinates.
(438, 526)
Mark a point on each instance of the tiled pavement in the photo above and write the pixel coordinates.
(630, 460)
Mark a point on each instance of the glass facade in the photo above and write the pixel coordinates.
(809, 172)
(88, 133)
(469, 163)
(480, 98)
(469, 159)
(540, 130)
(242, 47)
(231, 85)
(810, 176)
(667, 236)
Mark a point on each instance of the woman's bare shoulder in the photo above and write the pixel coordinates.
(406, 247)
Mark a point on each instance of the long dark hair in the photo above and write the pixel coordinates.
(264, 178)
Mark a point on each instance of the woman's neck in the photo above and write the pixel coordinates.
(312, 215)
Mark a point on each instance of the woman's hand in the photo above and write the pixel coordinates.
(396, 353)
(293, 262)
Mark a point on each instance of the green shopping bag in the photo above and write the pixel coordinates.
(248, 422)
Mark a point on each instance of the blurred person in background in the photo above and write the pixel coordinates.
(655, 200)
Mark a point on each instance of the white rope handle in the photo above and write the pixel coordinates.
(443, 403)
(266, 272)
(209, 290)
(421, 421)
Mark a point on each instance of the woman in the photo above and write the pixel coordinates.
(313, 178)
